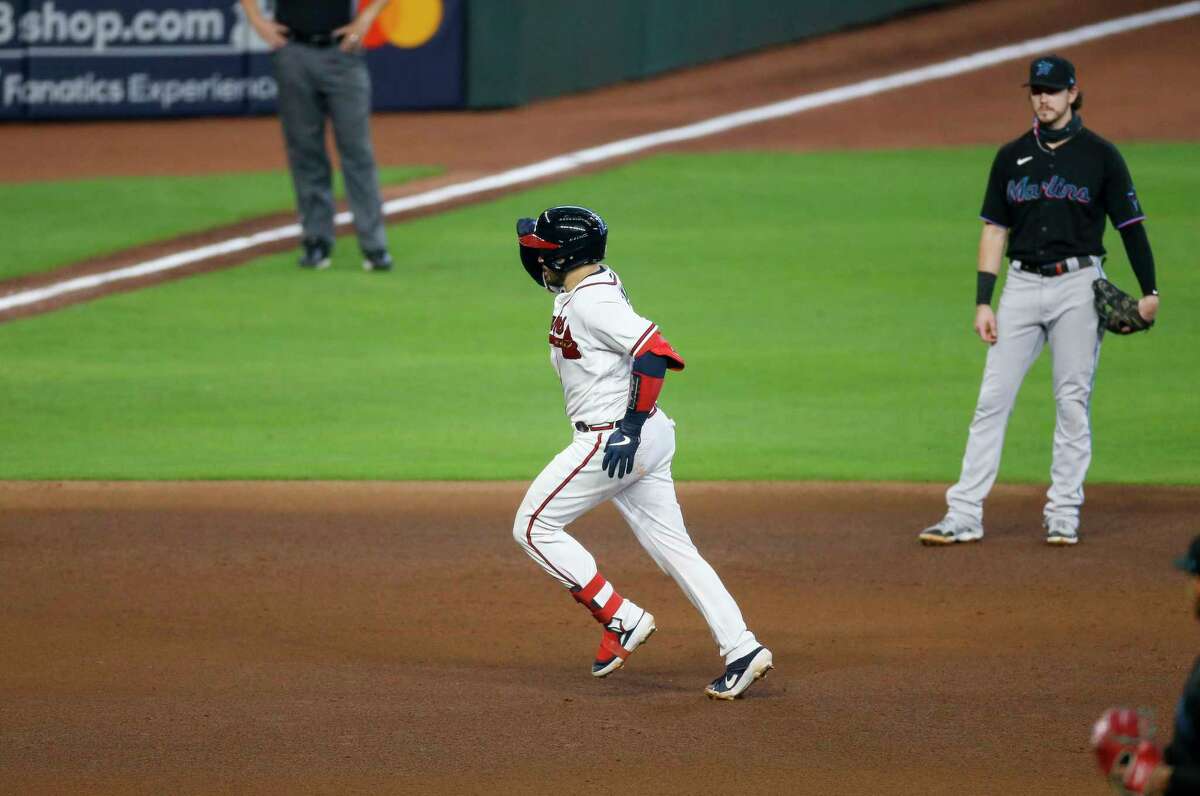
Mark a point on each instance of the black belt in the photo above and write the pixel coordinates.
(582, 426)
(313, 39)
(1058, 268)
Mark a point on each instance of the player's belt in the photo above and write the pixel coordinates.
(313, 39)
(1061, 267)
(582, 426)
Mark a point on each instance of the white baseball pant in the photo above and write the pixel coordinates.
(1035, 310)
(573, 483)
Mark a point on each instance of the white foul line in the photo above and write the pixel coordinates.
(628, 146)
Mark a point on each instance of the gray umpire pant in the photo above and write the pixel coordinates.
(316, 83)
(1035, 310)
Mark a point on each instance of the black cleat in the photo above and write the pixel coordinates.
(741, 674)
(315, 254)
(377, 261)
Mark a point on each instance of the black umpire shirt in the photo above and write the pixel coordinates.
(1184, 752)
(1053, 201)
(314, 17)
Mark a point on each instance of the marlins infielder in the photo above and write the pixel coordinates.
(1047, 198)
(612, 363)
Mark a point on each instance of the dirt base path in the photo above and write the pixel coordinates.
(391, 638)
(1135, 86)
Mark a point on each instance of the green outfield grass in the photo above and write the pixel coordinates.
(63, 221)
(823, 303)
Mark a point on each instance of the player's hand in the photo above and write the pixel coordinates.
(619, 452)
(985, 324)
(352, 35)
(1148, 307)
(275, 34)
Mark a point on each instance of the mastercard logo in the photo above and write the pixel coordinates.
(404, 23)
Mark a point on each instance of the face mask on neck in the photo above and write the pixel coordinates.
(1048, 136)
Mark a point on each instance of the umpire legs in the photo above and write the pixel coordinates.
(302, 108)
(349, 92)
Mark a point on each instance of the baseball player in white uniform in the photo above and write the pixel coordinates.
(612, 363)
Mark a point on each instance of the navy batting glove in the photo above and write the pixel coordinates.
(618, 453)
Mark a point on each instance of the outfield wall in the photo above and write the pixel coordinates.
(523, 50)
(76, 59)
(79, 59)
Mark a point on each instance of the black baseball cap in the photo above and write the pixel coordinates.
(1190, 563)
(1051, 71)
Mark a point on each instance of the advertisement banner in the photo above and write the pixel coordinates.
(76, 59)
(415, 52)
(12, 56)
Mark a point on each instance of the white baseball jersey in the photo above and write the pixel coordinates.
(594, 335)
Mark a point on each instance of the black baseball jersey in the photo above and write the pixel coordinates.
(314, 17)
(1054, 201)
(1184, 752)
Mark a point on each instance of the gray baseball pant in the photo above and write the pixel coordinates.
(1035, 310)
(316, 83)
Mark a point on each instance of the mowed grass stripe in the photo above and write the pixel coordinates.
(823, 303)
(54, 223)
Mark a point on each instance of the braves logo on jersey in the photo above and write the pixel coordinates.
(560, 337)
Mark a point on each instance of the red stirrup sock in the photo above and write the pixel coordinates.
(599, 597)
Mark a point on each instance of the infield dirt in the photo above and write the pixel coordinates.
(391, 638)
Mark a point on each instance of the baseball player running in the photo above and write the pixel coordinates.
(612, 363)
(1047, 198)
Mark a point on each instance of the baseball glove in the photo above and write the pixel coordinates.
(1118, 311)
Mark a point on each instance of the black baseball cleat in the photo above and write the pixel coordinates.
(377, 261)
(314, 254)
(741, 674)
